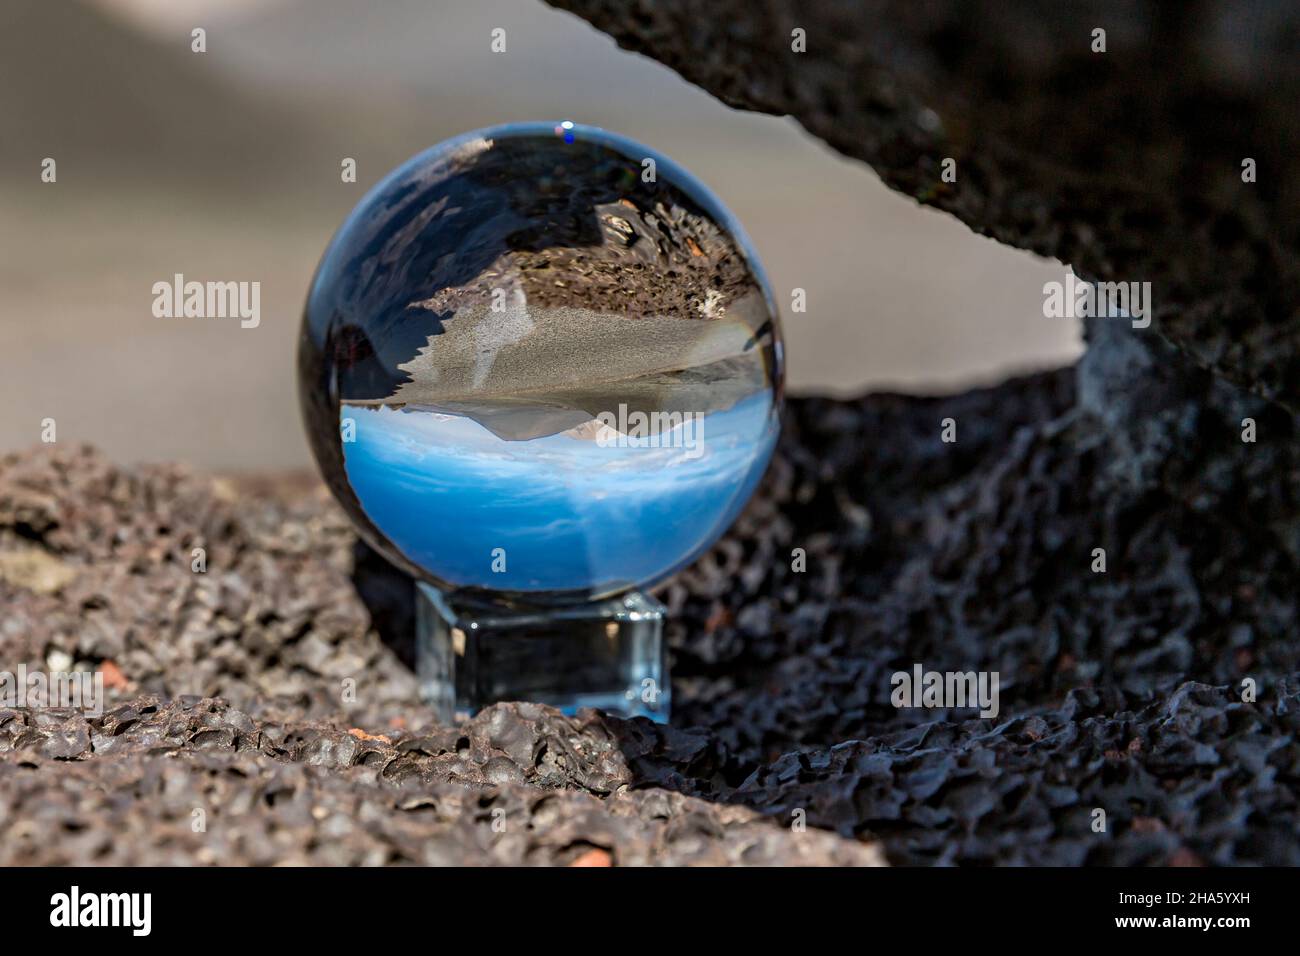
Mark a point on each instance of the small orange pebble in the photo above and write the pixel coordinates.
(594, 857)
(362, 735)
(113, 676)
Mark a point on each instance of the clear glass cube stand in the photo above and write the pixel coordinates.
(607, 654)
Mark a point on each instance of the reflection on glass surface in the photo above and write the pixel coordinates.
(541, 360)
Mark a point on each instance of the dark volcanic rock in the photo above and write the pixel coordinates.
(1192, 777)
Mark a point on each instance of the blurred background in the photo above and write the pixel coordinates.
(225, 165)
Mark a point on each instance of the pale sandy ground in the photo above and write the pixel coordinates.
(899, 296)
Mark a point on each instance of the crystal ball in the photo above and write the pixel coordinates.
(540, 361)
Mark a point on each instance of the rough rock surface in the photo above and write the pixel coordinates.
(195, 781)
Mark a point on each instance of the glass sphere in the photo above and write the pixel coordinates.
(540, 362)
